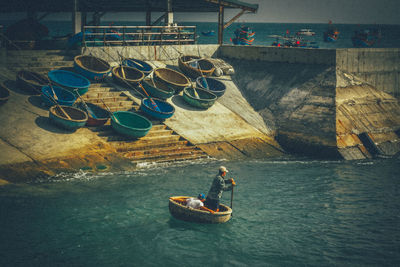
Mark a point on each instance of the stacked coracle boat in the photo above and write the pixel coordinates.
(64, 90)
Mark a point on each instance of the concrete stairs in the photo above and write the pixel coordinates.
(161, 144)
(41, 61)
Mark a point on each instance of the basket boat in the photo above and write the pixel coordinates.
(185, 213)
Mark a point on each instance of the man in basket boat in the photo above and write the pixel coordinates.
(193, 202)
(219, 184)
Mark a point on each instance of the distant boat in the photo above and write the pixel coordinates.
(244, 35)
(208, 33)
(331, 34)
(293, 41)
(306, 32)
(365, 37)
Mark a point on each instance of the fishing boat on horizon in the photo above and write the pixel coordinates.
(244, 35)
(366, 37)
(306, 32)
(208, 33)
(331, 34)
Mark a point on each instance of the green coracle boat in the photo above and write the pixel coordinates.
(194, 66)
(157, 89)
(172, 78)
(206, 98)
(130, 124)
(124, 75)
(78, 117)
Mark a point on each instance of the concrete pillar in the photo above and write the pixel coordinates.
(148, 18)
(76, 18)
(220, 24)
(169, 19)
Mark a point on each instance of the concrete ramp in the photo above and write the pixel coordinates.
(216, 124)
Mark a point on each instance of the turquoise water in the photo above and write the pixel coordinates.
(285, 213)
(263, 31)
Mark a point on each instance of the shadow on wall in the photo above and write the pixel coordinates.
(264, 84)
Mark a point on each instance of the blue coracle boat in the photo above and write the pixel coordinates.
(70, 81)
(216, 87)
(166, 109)
(141, 65)
(93, 68)
(62, 96)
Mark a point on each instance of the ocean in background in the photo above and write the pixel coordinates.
(286, 212)
(390, 33)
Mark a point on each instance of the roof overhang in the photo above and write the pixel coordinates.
(122, 5)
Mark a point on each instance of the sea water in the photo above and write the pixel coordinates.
(390, 34)
(286, 212)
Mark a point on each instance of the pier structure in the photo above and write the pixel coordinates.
(80, 9)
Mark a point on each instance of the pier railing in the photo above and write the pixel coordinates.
(138, 35)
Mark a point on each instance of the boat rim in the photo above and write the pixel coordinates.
(52, 110)
(70, 73)
(159, 100)
(202, 99)
(128, 127)
(177, 84)
(3, 86)
(171, 90)
(129, 80)
(220, 213)
(99, 59)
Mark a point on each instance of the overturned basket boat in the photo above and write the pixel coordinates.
(70, 81)
(130, 124)
(185, 213)
(141, 65)
(157, 89)
(206, 98)
(31, 82)
(172, 78)
(127, 76)
(77, 119)
(93, 68)
(195, 66)
(4, 94)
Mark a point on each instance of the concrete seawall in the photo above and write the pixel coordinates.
(306, 94)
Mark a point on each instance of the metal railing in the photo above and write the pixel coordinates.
(138, 35)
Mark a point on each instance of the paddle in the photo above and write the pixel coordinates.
(62, 110)
(52, 90)
(151, 99)
(123, 72)
(89, 110)
(232, 201)
(109, 111)
(203, 78)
